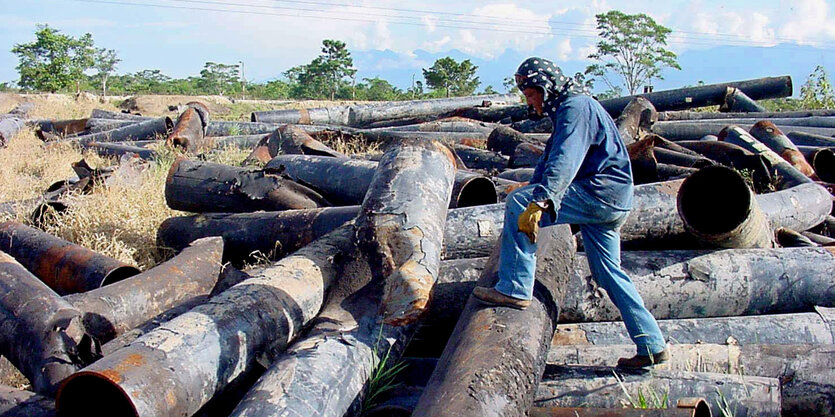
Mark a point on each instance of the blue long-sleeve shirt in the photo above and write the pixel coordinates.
(587, 150)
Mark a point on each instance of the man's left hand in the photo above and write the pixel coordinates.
(528, 221)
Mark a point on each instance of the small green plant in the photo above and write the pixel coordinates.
(383, 375)
(724, 405)
(651, 399)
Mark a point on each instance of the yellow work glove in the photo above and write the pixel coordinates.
(529, 220)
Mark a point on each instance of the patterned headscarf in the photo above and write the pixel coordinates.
(544, 74)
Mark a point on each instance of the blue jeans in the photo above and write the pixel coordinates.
(600, 226)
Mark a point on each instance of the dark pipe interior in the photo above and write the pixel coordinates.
(702, 409)
(477, 192)
(714, 200)
(119, 274)
(91, 395)
(824, 165)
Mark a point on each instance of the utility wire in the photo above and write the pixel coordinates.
(492, 28)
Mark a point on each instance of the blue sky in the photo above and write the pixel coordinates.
(715, 40)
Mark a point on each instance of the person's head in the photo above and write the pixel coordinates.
(544, 85)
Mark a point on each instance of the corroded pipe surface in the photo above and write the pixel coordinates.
(807, 139)
(481, 159)
(570, 386)
(188, 131)
(119, 149)
(469, 232)
(692, 407)
(290, 139)
(399, 234)
(718, 208)
(495, 357)
(65, 267)
(698, 115)
(526, 155)
(767, 133)
(789, 175)
(822, 161)
(806, 372)
(504, 140)
(637, 117)
(679, 131)
(199, 186)
(737, 101)
(776, 329)
(144, 130)
(345, 181)
(180, 366)
(117, 308)
(101, 125)
(40, 333)
(20, 403)
(226, 128)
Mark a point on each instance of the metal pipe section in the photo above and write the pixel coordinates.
(449, 124)
(117, 308)
(190, 128)
(637, 118)
(345, 181)
(227, 128)
(738, 223)
(526, 155)
(706, 95)
(808, 139)
(481, 159)
(737, 101)
(806, 372)
(679, 131)
(291, 140)
(573, 386)
(504, 140)
(41, 333)
(57, 127)
(13, 121)
(495, 356)
(789, 175)
(698, 115)
(107, 114)
(144, 130)
(399, 235)
(822, 161)
(770, 136)
(20, 403)
(691, 407)
(178, 367)
(806, 328)
(199, 186)
(119, 149)
(517, 174)
(101, 125)
(65, 267)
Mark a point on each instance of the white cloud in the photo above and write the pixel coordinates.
(431, 23)
(564, 49)
(492, 29)
(806, 21)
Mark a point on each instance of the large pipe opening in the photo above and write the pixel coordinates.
(118, 274)
(824, 165)
(715, 200)
(477, 191)
(92, 395)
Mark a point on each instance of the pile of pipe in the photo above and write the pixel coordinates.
(314, 283)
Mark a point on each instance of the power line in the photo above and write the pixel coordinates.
(565, 32)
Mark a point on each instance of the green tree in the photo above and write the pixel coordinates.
(377, 89)
(105, 64)
(632, 47)
(817, 92)
(218, 78)
(451, 77)
(54, 61)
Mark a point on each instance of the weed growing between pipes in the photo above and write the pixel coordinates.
(383, 375)
(651, 400)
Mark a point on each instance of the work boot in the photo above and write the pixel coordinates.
(492, 297)
(644, 361)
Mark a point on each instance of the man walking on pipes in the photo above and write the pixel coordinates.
(582, 178)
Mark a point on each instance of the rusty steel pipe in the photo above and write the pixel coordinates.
(40, 333)
(698, 115)
(586, 386)
(788, 175)
(399, 234)
(20, 403)
(770, 136)
(143, 130)
(737, 101)
(190, 128)
(526, 155)
(689, 407)
(290, 139)
(57, 127)
(735, 222)
(117, 308)
(822, 161)
(495, 356)
(636, 119)
(807, 139)
(469, 232)
(504, 140)
(119, 149)
(199, 186)
(679, 131)
(345, 181)
(178, 367)
(706, 95)
(107, 114)
(229, 128)
(101, 125)
(806, 328)
(65, 267)
(806, 372)
(481, 159)
(449, 124)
